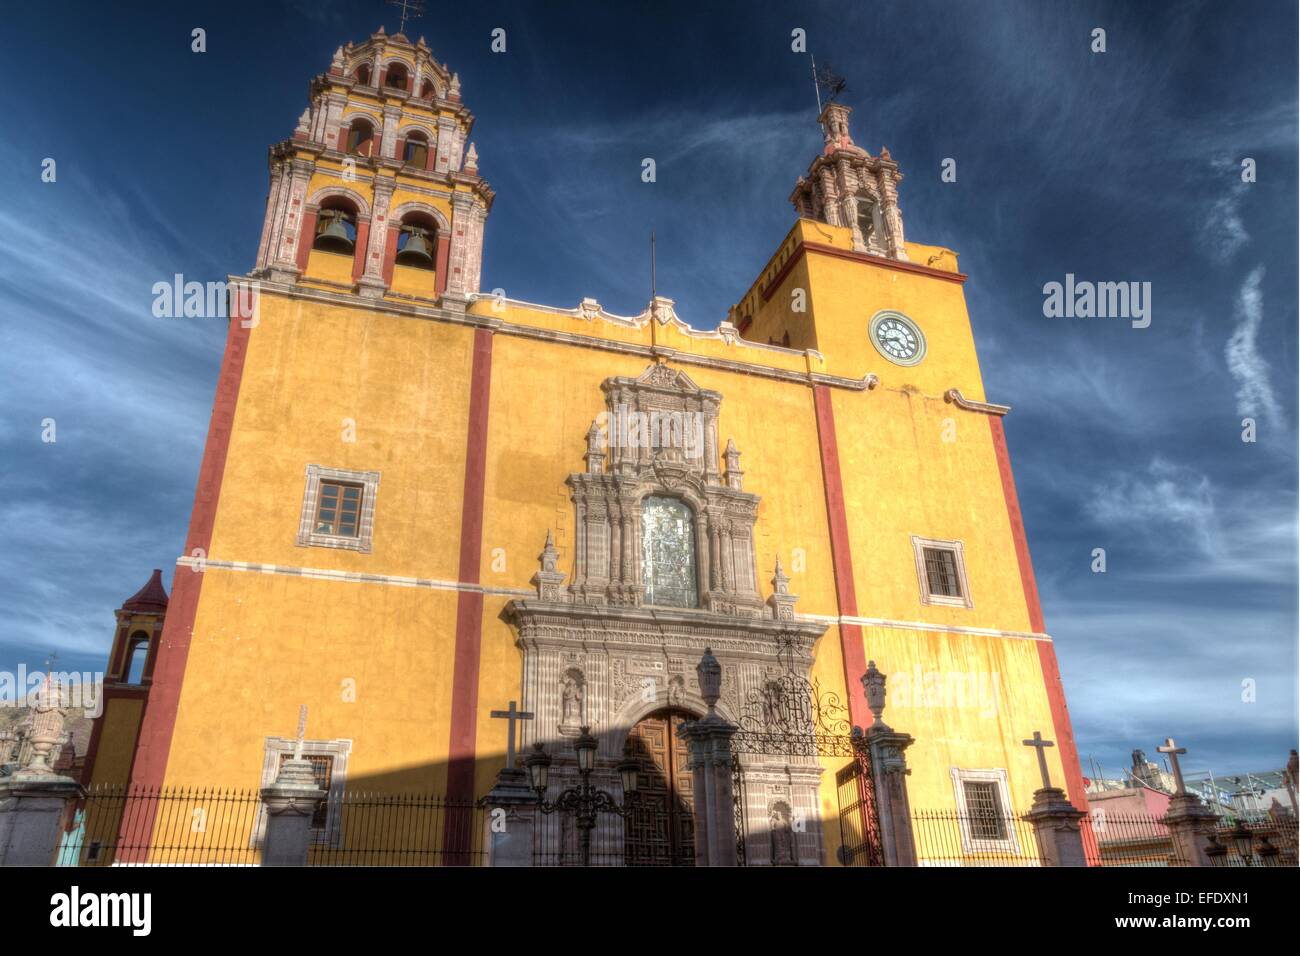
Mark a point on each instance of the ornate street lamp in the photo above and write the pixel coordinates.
(583, 801)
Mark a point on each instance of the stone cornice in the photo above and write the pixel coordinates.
(954, 397)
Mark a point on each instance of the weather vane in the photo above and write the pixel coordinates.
(826, 79)
(410, 8)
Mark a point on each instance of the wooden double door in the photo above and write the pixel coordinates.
(661, 831)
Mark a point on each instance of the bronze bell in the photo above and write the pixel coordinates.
(332, 234)
(418, 252)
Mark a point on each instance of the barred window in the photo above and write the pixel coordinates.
(338, 509)
(986, 817)
(941, 572)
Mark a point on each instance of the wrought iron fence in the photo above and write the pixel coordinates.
(1261, 841)
(214, 827)
(951, 838)
(1128, 839)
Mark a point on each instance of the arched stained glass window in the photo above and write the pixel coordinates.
(668, 553)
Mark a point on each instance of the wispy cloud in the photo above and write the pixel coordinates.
(1254, 389)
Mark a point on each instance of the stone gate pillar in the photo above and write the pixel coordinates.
(709, 740)
(512, 809)
(34, 800)
(887, 748)
(290, 803)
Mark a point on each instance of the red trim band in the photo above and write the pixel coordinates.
(1046, 652)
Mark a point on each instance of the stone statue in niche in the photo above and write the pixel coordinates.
(676, 690)
(572, 693)
(782, 835)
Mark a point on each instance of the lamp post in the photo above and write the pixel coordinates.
(583, 801)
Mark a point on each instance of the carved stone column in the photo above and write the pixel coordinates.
(372, 284)
(709, 740)
(283, 249)
(889, 771)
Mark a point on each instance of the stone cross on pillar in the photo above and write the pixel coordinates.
(1054, 818)
(1169, 747)
(1041, 746)
(512, 716)
(1190, 822)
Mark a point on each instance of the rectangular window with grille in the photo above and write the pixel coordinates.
(941, 572)
(985, 815)
(338, 509)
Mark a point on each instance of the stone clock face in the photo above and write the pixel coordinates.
(897, 338)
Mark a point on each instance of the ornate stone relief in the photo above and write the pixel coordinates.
(600, 651)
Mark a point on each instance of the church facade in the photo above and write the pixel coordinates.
(419, 502)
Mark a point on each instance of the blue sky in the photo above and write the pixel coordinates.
(1122, 166)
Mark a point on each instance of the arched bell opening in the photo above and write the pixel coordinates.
(361, 138)
(427, 90)
(363, 74)
(396, 77)
(415, 255)
(415, 151)
(334, 244)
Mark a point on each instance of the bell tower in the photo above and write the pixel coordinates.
(378, 192)
(847, 186)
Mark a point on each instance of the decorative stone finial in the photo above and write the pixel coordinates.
(873, 683)
(46, 729)
(336, 63)
(380, 31)
(595, 450)
(548, 579)
(453, 92)
(471, 158)
(735, 477)
(709, 672)
(781, 601)
(661, 309)
(301, 131)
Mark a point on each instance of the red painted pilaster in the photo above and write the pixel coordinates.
(442, 256)
(469, 605)
(149, 765)
(855, 664)
(1046, 652)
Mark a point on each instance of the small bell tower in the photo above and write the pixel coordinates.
(378, 192)
(847, 186)
(127, 682)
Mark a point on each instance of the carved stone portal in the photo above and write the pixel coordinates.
(616, 644)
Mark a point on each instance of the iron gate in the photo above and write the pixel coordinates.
(859, 822)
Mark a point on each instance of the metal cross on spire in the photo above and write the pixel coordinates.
(1169, 747)
(1041, 745)
(512, 716)
(825, 79)
(410, 9)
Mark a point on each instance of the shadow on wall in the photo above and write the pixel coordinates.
(406, 817)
